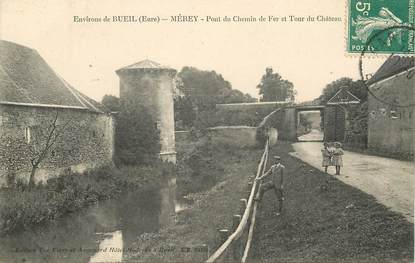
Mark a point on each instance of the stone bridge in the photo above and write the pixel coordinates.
(286, 121)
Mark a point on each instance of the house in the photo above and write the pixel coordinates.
(45, 123)
(391, 123)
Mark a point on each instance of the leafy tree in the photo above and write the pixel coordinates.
(137, 139)
(202, 90)
(184, 111)
(305, 121)
(111, 102)
(274, 88)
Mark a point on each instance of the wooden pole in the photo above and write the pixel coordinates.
(219, 253)
(223, 233)
(252, 225)
(206, 250)
(235, 222)
(242, 206)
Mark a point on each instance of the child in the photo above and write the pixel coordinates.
(337, 157)
(326, 156)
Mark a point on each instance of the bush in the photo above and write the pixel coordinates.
(137, 140)
(201, 168)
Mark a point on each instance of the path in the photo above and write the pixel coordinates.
(390, 181)
(313, 135)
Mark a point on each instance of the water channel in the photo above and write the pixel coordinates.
(103, 232)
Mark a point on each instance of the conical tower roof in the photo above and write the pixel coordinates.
(146, 64)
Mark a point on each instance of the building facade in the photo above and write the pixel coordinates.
(43, 118)
(152, 85)
(391, 123)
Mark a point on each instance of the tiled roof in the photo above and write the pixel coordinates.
(392, 66)
(26, 78)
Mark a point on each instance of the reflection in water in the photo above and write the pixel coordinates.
(100, 233)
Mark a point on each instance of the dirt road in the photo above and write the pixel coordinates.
(313, 135)
(390, 181)
(327, 220)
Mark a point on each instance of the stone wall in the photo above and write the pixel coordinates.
(283, 120)
(85, 141)
(391, 130)
(237, 136)
(249, 114)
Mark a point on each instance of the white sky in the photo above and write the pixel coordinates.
(86, 54)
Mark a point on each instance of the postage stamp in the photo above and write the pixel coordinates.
(385, 26)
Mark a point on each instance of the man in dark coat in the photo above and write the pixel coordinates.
(276, 183)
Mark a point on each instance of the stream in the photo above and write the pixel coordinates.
(100, 233)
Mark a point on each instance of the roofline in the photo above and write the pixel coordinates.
(162, 67)
(122, 70)
(390, 77)
(341, 88)
(54, 106)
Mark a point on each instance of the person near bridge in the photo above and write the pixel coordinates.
(276, 183)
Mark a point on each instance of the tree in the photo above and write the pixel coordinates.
(111, 102)
(274, 88)
(202, 90)
(184, 111)
(45, 138)
(137, 138)
(305, 121)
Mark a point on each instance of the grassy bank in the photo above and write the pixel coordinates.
(213, 209)
(340, 224)
(22, 208)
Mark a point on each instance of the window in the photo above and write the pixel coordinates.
(28, 134)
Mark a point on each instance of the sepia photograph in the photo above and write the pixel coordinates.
(207, 131)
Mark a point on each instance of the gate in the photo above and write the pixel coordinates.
(334, 124)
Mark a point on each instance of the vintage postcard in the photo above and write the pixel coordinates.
(207, 131)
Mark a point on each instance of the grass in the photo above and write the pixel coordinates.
(340, 224)
(22, 208)
(212, 210)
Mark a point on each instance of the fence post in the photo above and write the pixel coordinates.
(235, 222)
(242, 206)
(205, 249)
(224, 234)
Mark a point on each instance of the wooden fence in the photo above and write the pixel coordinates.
(236, 246)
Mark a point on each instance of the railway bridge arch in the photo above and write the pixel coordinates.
(286, 120)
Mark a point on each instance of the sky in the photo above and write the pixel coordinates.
(309, 54)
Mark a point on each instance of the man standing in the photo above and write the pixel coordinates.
(276, 182)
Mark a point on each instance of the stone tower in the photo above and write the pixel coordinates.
(150, 84)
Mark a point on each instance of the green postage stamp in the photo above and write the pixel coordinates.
(381, 26)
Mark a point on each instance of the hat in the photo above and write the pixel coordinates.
(276, 157)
